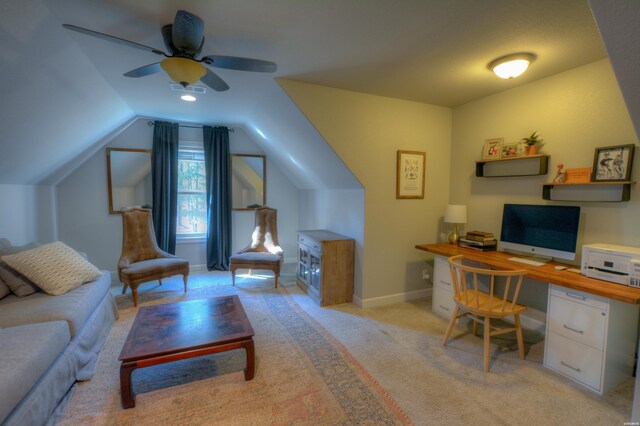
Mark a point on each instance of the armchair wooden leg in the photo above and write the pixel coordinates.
(233, 277)
(185, 277)
(275, 278)
(160, 281)
(519, 336)
(124, 288)
(454, 317)
(487, 340)
(134, 293)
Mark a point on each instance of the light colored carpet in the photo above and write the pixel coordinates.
(399, 345)
(303, 375)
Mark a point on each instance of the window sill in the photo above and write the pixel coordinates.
(190, 240)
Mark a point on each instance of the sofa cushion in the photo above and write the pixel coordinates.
(4, 289)
(26, 353)
(73, 307)
(18, 284)
(56, 268)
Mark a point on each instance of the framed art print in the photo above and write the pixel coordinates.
(612, 163)
(410, 178)
(492, 148)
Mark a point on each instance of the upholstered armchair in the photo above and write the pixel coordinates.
(264, 252)
(142, 260)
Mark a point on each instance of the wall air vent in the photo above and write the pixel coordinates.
(188, 89)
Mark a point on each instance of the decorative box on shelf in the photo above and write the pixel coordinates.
(579, 175)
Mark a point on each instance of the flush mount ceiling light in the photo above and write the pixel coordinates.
(511, 66)
(188, 98)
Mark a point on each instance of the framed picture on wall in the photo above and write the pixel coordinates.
(510, 150)
(410, 179)
(612, 163)
(492, 148)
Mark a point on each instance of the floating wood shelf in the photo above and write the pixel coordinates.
(624, 186)
(540, 168)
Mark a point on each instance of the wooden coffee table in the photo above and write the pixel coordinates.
(175, 331)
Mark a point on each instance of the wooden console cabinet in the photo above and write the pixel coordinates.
(325, 266)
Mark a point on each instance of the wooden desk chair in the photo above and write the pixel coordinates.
(481, 306)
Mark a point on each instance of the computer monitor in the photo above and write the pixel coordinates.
(540, 230)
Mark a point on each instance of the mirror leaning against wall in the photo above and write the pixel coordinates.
(248, 181)
(128, 178)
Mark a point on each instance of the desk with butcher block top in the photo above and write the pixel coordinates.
(591, 327)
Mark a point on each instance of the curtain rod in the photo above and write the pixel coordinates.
(151, 123)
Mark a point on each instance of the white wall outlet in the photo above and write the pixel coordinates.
(425, 274)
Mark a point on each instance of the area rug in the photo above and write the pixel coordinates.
(303, 374)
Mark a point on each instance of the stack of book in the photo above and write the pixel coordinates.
(479, 240)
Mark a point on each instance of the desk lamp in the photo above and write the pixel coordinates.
(455, 214)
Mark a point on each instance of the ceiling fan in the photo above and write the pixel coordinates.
(184, 40)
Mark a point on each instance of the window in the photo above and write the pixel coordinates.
(192, 199)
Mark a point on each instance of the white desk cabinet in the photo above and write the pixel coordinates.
(442, 299)
(590, 339)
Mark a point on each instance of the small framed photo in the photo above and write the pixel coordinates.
(410, 179)
(491, 148)
(510, 150)
(612, 163)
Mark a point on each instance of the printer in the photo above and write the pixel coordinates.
(617, 264)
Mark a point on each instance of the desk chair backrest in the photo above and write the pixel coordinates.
(498, 301)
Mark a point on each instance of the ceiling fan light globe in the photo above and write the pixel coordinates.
(182, 70)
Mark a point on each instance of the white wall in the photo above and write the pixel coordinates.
(85, 222)
(366, 132)
(27, 213)
(575, 112)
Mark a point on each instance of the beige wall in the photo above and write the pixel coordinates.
(575, 112)
(366, 131)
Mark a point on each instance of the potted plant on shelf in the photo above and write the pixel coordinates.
(532, 142)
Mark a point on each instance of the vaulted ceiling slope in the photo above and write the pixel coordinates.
(64, 92)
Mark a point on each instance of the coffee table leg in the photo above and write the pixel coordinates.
(126, 394)
(250, 370)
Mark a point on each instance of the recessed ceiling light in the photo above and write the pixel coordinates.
(188, 98)
(511, 66)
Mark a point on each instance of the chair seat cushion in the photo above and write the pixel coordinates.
(253, 257)
(155, 267)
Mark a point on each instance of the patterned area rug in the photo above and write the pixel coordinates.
(303, 374)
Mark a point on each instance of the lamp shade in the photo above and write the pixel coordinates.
(182, 70)
(455, 213)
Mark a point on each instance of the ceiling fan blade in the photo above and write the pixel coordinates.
(114, 39)
(241, 64)
(144, 71)
(188, 33)
(214, 81)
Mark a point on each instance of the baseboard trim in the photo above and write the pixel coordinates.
(392, 298)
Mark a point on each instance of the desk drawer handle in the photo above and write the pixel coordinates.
(573, 329)
(571, 367)
(446, 309)
(445, 283)
(576, 296)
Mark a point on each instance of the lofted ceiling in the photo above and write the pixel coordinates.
(432, 51)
